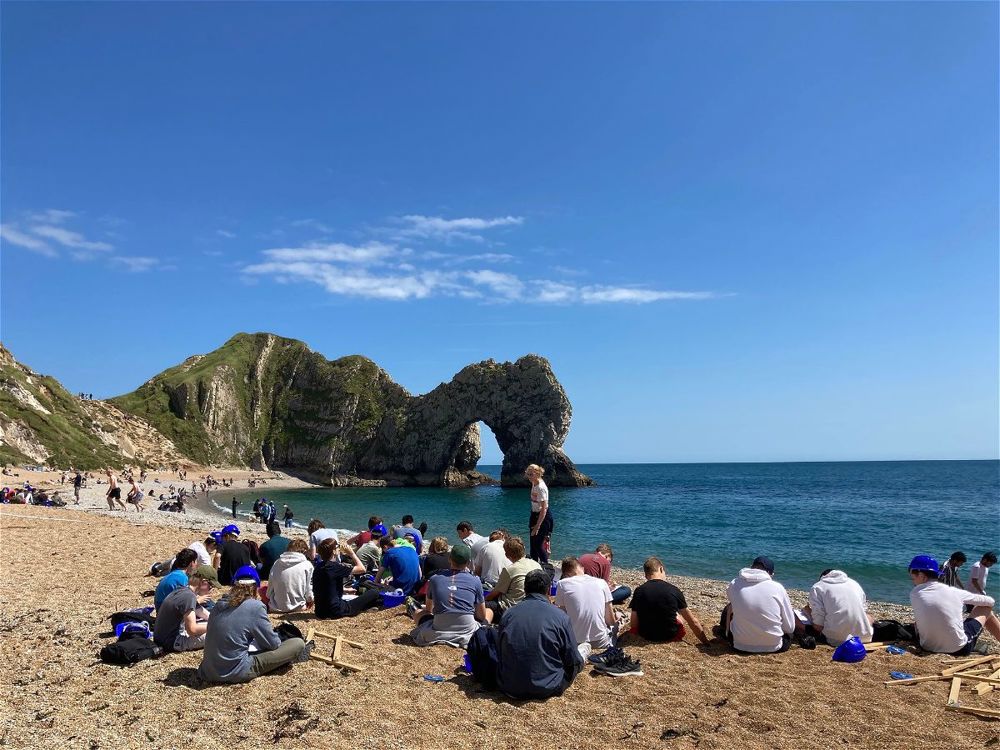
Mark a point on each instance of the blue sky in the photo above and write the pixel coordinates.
(738, 231)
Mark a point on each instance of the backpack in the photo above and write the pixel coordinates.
(132, 648)
(482, 650)
(254, 550)
(892, 630)
(140, 614)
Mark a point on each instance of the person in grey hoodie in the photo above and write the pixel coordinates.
(289, 587)
(238, 621)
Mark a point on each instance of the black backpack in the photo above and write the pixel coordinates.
(129, 650)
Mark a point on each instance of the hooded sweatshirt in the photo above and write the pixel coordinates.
(838, 606)
(762, 612)
(290, 583)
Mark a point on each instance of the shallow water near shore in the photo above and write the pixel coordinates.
(708, 520)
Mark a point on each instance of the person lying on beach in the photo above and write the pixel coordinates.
(587, 601)
(205, 551)
(759, 618)
(455, 607)
(328, 580)
(317, 533)
(401, 562)
(181, 621)
(509, 588)
(237, 621)
(537, 657)
(837, 608)
(491, 559)
(232, 555)
(363, 537)
(272, 549)
(598, 565)
(659, 610)
(185, 562)
(370, 553)
(289, 588)
(942, 627)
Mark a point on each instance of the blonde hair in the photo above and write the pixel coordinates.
(298, 545)
(439, 544)
(240, 592)
(535, 469)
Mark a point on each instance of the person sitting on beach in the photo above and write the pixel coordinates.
(491, 559)
(980, 572)
(363, 537)
(942, 627)
(205, 551)
(400, 560)
(837, 608)
(509, 588)
(587, 601)
(328, 580)
(437, 560)
(949, 571)
(537, 656)
(370, 553)
(181, 621)
(598, 565)
(455, 604)
(272, 549)
(406, 529)
(290, 586)
(659, 609)
(233, 555)
(470, 538)
(759, 618)
(185, 562)
(237, 621)
(317, 533)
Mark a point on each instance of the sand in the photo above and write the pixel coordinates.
(66, 570)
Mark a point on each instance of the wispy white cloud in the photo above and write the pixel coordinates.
(636, 295)
(337, 252)
(316, 224)
(225, 233)
(418, 226)
(13, 235)
(135, 263)
(68, 238)
(52, 216)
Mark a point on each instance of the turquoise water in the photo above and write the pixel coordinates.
(709, 520)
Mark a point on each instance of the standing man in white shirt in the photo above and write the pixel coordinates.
(938, 610)
(980, 572)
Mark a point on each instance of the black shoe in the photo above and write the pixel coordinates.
(807, 642)
(623, 666)
(606, 656)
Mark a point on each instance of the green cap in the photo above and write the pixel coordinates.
(207, 572)
(461, 553)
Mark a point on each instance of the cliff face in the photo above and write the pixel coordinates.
(265, 401)
(41, 423)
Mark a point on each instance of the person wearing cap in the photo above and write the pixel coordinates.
(237, 621)
(455, 608)
(759, 618)
(328, 580)
(185, 563)
(290, 585)
(181, 621)
(272, 549)
(837, 607)
(537, 656)
(233, 555)
(938, 609)
(364, 537)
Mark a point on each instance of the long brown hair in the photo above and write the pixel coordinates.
(240, 592)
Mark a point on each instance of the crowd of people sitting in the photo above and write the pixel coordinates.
(528, 627)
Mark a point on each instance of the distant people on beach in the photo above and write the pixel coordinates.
(288, 517)
(949, 571)
(114, 494)
(77, 484)
(236, 504)
(540, 521)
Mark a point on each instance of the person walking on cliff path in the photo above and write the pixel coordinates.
(540, 522)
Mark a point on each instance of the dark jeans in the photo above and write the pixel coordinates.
(365, 600)
(537, 551)
(620, 594)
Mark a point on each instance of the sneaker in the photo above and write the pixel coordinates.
(623, 666)
(411, 605)
(606, 656)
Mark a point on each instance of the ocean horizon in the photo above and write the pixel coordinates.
(708, 520)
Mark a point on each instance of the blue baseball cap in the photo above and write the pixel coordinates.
(381, 529)
(231, 529)
(925, 564)
(247, 574)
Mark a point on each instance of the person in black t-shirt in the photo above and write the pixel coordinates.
(656, 605)
(328, 584)
(234, 556)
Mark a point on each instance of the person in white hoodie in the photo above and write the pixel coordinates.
(837, 608)
(289, 586)
(760, 616)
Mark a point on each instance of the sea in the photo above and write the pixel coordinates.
(709, 520)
